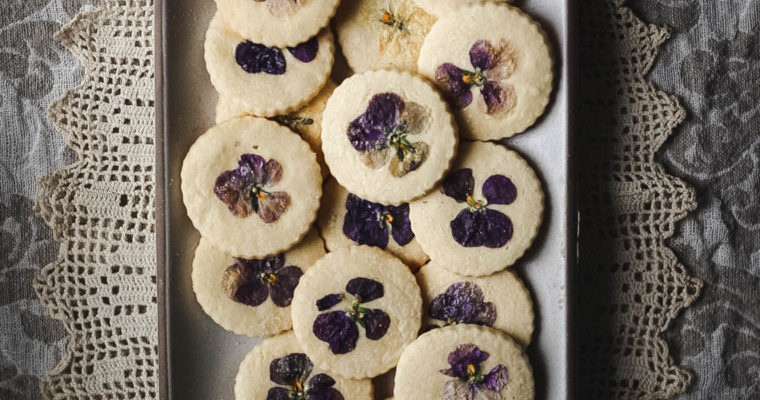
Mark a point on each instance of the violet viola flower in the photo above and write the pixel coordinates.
(254, 57)
(292, 372)
(382, 133)
(244, 189)
(477, 225)
(371, 223)
(471, 382)
(462, 303)
(251, 281)
(339, 328)
(492, 65)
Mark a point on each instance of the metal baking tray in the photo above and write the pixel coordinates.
(198, 359)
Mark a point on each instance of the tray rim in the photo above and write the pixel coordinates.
(162, 229)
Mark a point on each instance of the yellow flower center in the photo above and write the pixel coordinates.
(470, 369)
(469, 199)
(466, 78)
(272, 278)
(387, 17)
(389, 218)
(262, 196)
(297, 384)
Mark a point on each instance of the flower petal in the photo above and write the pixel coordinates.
(272, 173)
(285, 370)
(376, 158)
(488, 228)
(278, 393)
(321, 381)
(415, 117)
(458, 93)
(252, 168)
(498, 229)
(459, 184)
(306, 51)
(413, 158)
(282, 288)
(365, 289)
(483, 55)
(463, 303)
(376, 323)
(243, 287)
(497, 98)
(326, 394)
(366, 138)
(498, 189)
(369, 130)
(401, 227)
(461, 357)
(338, 330)
(254, 58)
(497, 378)
(457, 390)
(506, 63)
(273, 206)
(362, 222)
(327, 302)
(231, 188)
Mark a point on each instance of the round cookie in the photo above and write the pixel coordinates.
(496, 71)
(266, 81)
(445, 7)
(355, 310)
(453, 362)
(277, 22)
(499, 301)
(306, 122)
(376, 34)
(251, 296)
(278, 365)
(347, 220)
(251, 187)
(485, 214)
(387, 136)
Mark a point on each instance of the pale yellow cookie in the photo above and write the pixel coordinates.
(484, 215)
(265, 81)
(464, 362)
(387, 136)
(355, 310)
(251, 187)
(347, 220)
(499, 301)
(249, 296)
(494, 65)
(306, 122)
(376, 34)
(277, 22)
(445, 7)
(278, 366)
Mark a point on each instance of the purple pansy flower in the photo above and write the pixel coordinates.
(477, 225)
(251, 281)
(292, 372)
(463, 303)
(339, 328)
(491, 67)
(371, 223)
(382, 134)
(244, 189)
(471, 383)
(254, 57)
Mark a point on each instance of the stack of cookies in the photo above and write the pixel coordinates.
(376, 218)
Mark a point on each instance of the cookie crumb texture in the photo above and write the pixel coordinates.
(355, 310)
(387, 136)
(484, 215)
(278, 366)
(464, 362)
(441, 8)
(251, 187)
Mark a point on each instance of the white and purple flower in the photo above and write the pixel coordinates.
(463, 303)
(250, 282)
(292, 372)
(471, 382)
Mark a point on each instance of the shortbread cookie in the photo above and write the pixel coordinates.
(251, 296)
(355, 310)
(278, 369)
(484, 215)
(445, 7)
(346, 219)
(376, 34)
(266, 81)
(277, 22)
(306, 122)
(251, 187)
(387, 136)
(498, 301)
(494, 64)
(464, 362)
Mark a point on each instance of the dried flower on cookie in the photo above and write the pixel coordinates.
(248, 189)
(339, 328)
(406, 26)
(491, 67)
(471, 382)
(384, 134)
(462, 303)
(371, 223)
(250, 282)
(292, 372)
(255, 58)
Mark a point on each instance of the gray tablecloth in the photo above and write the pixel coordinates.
(712, 63)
